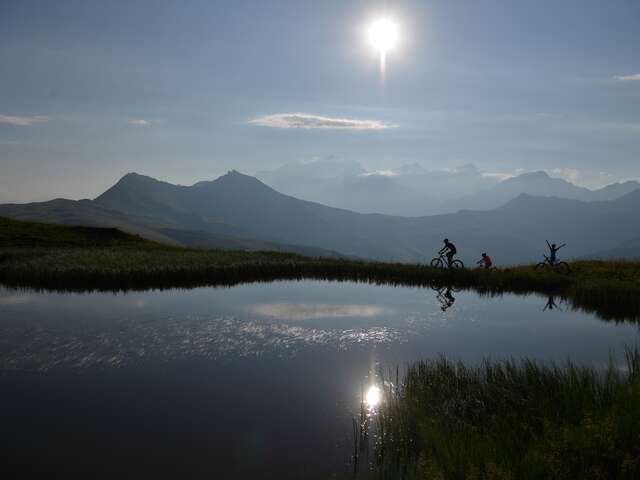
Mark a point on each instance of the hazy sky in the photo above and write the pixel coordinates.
(184, 91)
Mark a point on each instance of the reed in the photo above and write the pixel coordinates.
(507, 420)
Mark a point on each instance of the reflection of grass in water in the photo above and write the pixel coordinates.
(511, 420)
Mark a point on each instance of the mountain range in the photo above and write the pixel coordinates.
(412, 190)
(539, 184)
(237, 211)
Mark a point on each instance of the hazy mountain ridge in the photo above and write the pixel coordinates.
(412, 190)
(626, 250)
(540, 184)
(409, 190)
(209, 213)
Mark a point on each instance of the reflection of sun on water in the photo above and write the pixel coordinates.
(373, 396)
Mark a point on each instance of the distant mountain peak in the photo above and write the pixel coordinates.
(236, 179)
(525, 202)
(134, 177)
(234, 175)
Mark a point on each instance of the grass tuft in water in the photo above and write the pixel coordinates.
(511, 420)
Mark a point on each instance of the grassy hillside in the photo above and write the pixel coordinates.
(199, 234)
(15, 233)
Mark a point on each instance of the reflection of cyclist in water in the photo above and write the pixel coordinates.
(553, 250)
(446, 299)
(451, 250)
(551, 304)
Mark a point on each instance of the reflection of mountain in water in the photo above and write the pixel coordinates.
(129, 340)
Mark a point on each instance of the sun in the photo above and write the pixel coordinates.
(383, 35)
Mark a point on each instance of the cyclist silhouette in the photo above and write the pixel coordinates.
(553, 250)
(451, 250)
(485, 261)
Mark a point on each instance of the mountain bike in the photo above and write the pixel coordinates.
(443, 262)
(558, 267)
(490, 269)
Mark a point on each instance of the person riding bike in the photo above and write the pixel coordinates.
(485, 261)
(553, 250)
(451, 250)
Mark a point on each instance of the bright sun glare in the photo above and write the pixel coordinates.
(383, 35)
(373, 396)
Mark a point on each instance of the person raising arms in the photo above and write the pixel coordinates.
(553, 250)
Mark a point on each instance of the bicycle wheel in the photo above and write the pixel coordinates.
(437, 263)
(563, 268)
(457, 264)
(542, 267)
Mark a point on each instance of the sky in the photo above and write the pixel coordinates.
(185, 91)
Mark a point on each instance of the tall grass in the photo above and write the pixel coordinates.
(511, 420)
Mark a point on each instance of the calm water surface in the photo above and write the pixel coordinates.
(254, 381)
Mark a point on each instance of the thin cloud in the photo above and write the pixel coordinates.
(628, 78)
(498, 175)
(380, 173)
(583, 178)
(312, 122)
(17, 121)
(139, 122)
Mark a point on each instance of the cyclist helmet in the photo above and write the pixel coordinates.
(484, 254)
(446, 240)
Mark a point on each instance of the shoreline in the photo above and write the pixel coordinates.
(609, 288)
